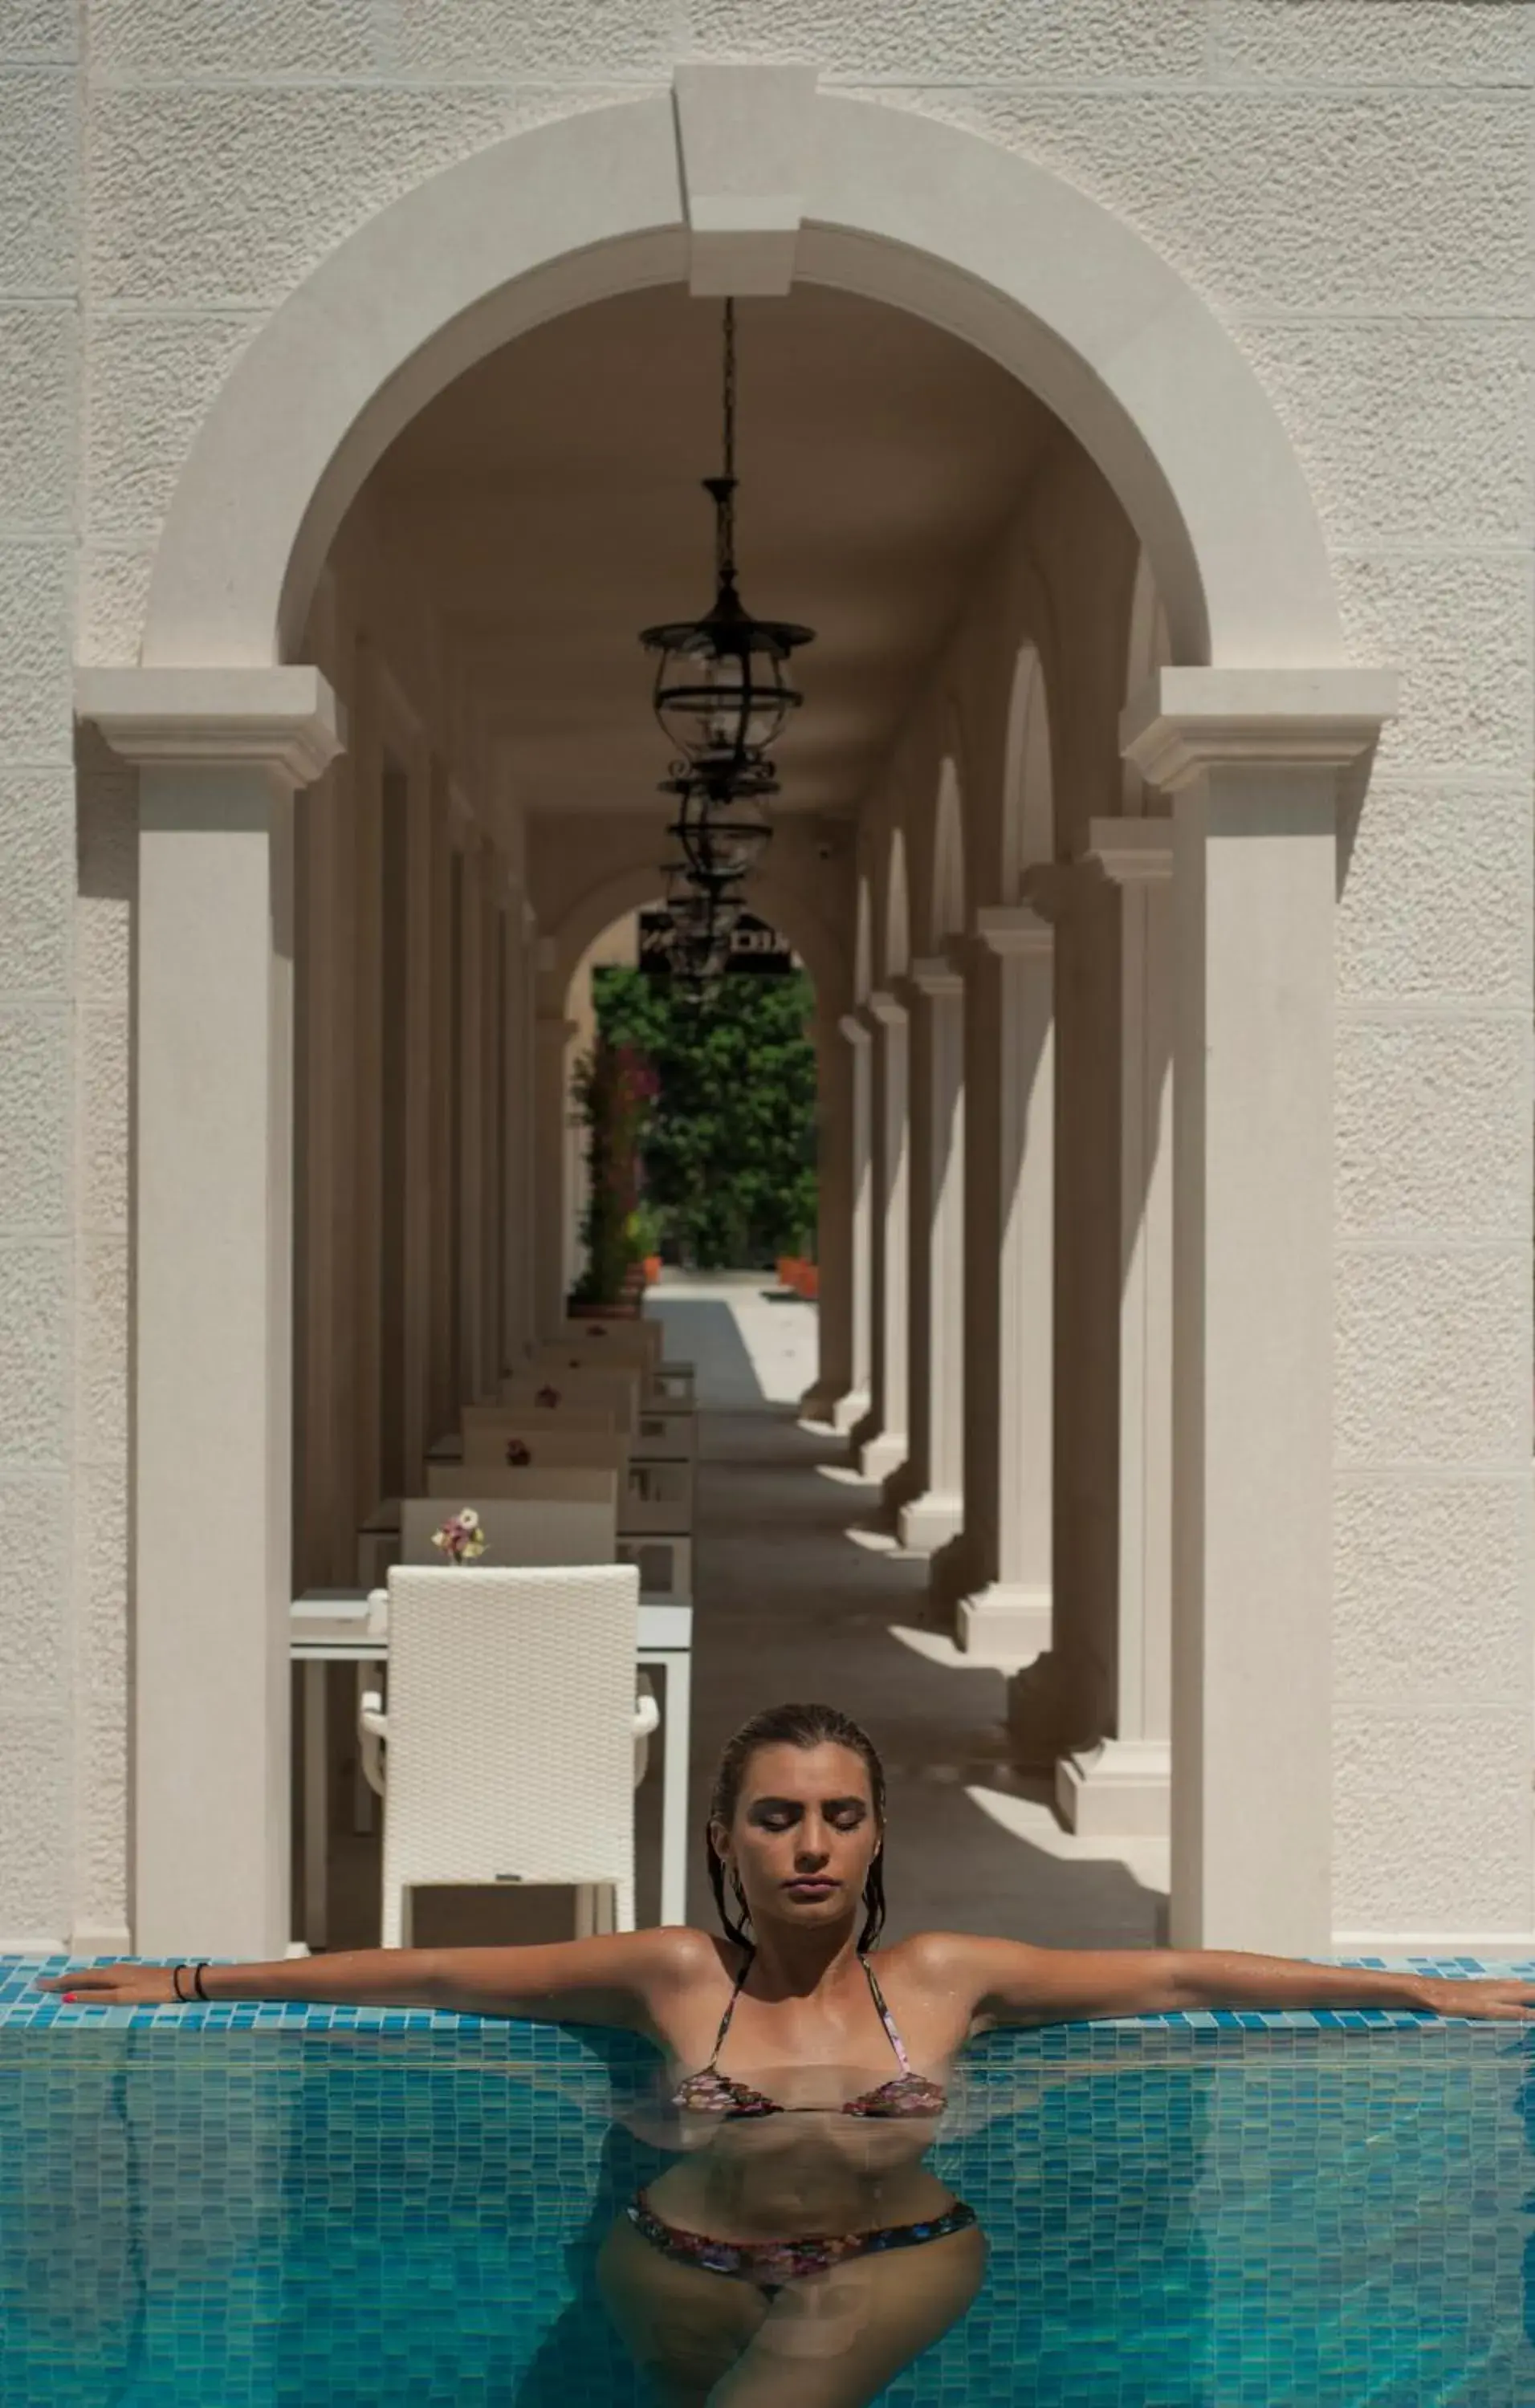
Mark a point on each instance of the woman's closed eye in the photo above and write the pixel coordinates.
(782, 1814)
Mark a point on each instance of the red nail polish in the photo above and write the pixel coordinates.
(69, 1998)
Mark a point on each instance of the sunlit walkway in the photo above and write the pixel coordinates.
(800, 1593)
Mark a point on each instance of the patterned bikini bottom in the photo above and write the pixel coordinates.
(771, 2264)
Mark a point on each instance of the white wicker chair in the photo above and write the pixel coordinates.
(511, 1728)
(519, 1530)
(622, 1340)
(665, 1564)
(658, 1497)
(549, 1441)
(571, 1399)
(615, 1387)
(578, 1483)
(665, 1433)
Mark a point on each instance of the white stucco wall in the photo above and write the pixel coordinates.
(1348, 183)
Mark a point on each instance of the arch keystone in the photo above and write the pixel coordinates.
(744, 133)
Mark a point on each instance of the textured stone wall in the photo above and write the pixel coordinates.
(43, 1257)
(1348, 182)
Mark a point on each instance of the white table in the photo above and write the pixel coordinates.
(332, 1626)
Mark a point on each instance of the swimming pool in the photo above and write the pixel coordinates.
(241, 2206)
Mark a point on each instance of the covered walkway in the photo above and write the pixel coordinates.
(801, 1590)
(1156, 1317)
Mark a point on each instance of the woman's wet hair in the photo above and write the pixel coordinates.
(794, 1726)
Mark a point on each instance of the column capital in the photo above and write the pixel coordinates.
(1014, 928)
(1133, 852)
(886, 1008)
(854, 1031)
(1186, 721)
(286, 722)
(935, 976)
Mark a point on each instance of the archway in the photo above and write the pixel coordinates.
(894, 207)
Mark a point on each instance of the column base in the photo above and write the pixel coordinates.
(929, 1521)
(1046, 1715)
(112, 1939)
(848, 1410)
(1120, 1789)
(883, 1453)
(1006, 1623)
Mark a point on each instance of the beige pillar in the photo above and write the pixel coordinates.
(522, 1179)
(552, 1116)
(1008, 1621)
(851, 1409)
(219, 754)
(931, 1518)
(419, 1141)
(473, 1136)
(834, 1140)
(1252, 759)
(883, 1450)
(1121, 1785)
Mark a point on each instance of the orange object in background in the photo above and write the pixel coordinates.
(800, 1277)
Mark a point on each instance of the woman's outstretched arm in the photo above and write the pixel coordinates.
(626, 1978)
(1006, 1981)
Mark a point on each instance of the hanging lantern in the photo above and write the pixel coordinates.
(722, 828)
(721, 692)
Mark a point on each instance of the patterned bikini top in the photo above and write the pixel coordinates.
(709, 2092)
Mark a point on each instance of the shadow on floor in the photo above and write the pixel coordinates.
(788, 1605)
(704, 1331)
(788, 1608)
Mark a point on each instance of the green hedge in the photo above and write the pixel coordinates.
(728, 1150)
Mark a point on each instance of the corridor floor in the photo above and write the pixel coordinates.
(799, 1593)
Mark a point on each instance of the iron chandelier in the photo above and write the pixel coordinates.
(721, 692)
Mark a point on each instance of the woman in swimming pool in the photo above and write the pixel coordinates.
(799, 2248)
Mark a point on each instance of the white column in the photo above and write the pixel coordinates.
(1009, 1620)
(472, 1137)
(851, 1408)
(552, 1033)
(516, 1233)
(1253, 759)
(1121, 1785)
(930, 1519)
(219, 753)
(884, 1451)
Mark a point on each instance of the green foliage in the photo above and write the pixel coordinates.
(615, 1088)
(727, 1151)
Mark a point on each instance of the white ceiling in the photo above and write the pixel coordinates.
(550, 501)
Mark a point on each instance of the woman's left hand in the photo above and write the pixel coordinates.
(1495, 2002)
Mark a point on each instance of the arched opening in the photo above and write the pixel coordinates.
(1029, 793)
(457, 499)
(896, 955)
(948, 907)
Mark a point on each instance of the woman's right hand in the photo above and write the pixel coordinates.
(117, 1986)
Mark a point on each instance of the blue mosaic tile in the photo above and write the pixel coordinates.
(256, 2207)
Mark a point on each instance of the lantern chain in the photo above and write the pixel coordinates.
(727, 490)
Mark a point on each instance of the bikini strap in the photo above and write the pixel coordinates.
(885, 2018)
(729, 2011)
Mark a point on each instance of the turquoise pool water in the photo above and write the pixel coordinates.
(249, 2206)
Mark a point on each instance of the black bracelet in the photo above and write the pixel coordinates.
(197, 1979)
(176, 1973)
